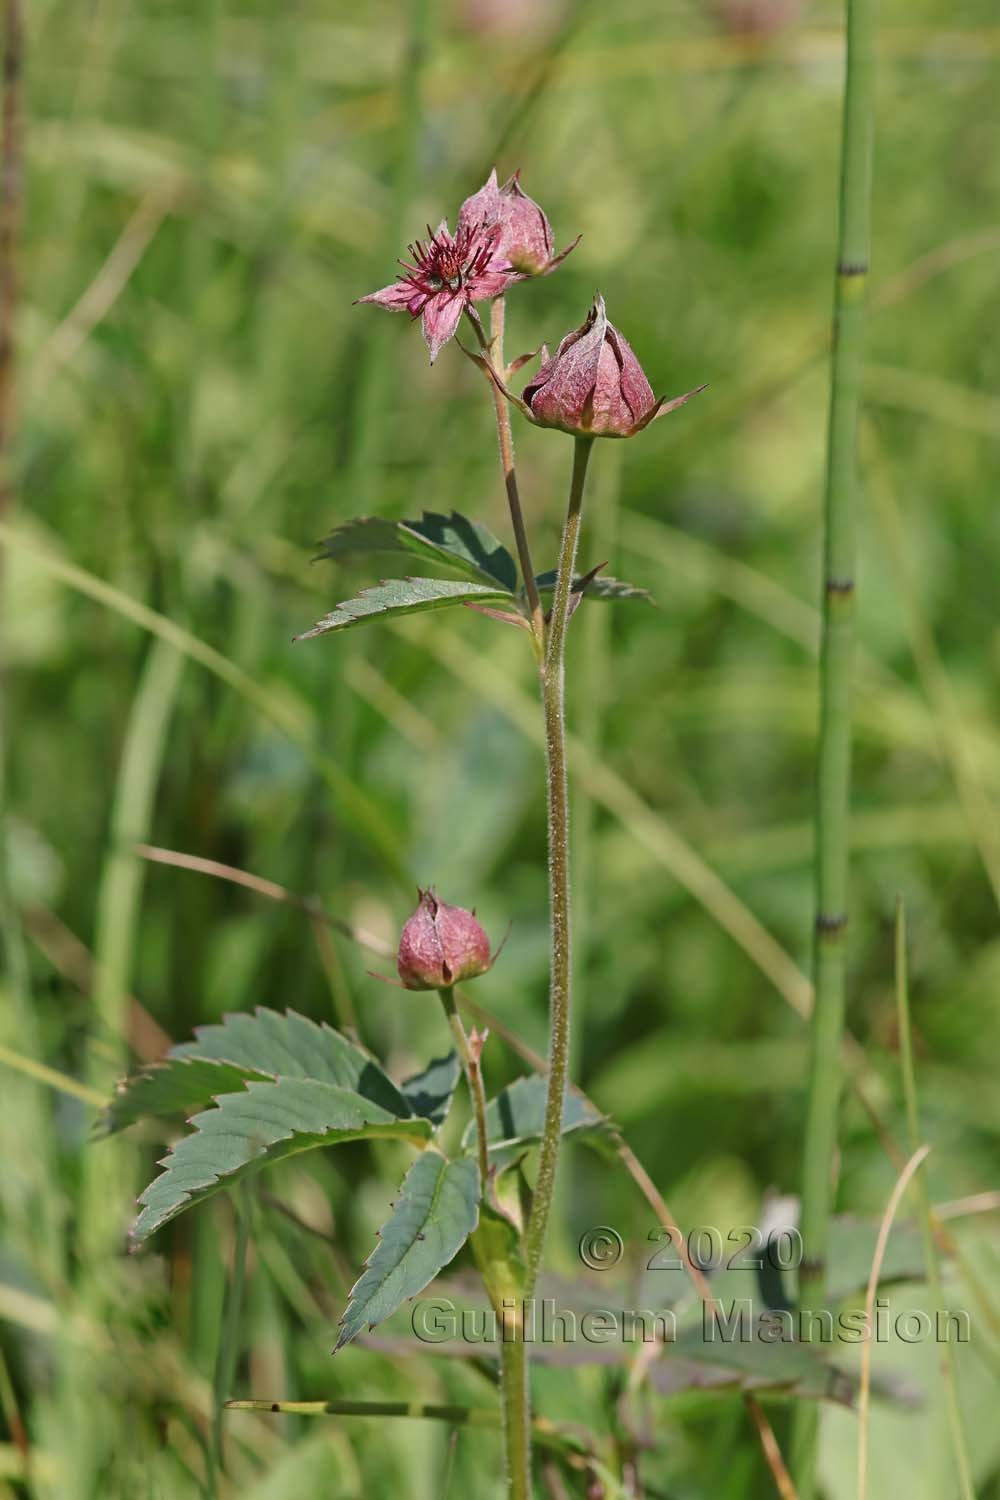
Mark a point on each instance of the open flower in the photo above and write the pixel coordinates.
(446, 275)
(525, 233)
(441, 945)
(593, 386)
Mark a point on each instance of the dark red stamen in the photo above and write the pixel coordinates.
(449, 261)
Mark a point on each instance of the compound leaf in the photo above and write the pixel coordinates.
(514, 1120)
(265, 1123)
(405, 596)
(436, 1211)
(429, 1093)
(244, 1049)
(598, 588)
(465, 546)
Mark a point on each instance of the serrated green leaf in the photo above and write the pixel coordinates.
(246, 1048)
(466, 546)
(404, 596)
(598, 588)
(175, 1086)
(436, 1211)
(265, 1123)
(514, 1120)
(429, 1093)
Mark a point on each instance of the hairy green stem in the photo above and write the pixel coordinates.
(514, 1393)
(553, 697)
(494, 352)
(834, 769)
(473, 1077)
(516, 1398)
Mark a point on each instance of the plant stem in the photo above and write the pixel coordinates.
(553, 698)
(473, 1077)
(834, 770)
(516, 1398)
(949, 1379)
(494, 351)
(515, 1395)
(547, 1434)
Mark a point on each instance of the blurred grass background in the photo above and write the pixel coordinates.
(207, 187)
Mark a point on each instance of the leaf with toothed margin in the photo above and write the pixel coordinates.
(244, 1049)
(436, 1211)
(429, 1093)
(610, 589)
(455, 542)
(404, 596)
(263, 1124)
(514, 1121)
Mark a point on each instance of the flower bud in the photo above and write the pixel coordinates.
(593, 386)
(526, 242)
(527, 234)
(441, 945)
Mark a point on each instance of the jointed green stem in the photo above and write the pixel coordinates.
(473, 1077)
(553, 695)
(834, 771)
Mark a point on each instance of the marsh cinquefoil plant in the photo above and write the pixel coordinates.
(280, 1084)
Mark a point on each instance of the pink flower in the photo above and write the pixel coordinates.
(526, 234)
(445, 276)
(441, 945)
(594, 386)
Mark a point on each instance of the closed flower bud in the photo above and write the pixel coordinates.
(593, 386)
(526, 241)
(441, 945)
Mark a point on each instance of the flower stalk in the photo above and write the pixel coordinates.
(469, 1058)
(494, 351)
(834, 767)
(554, 706)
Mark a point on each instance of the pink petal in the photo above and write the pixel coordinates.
(397, 298)
(563, 390)
(441, 318)
(610, 412)
(635, 388)
(527, 234)
(491, 284)
(483, 207)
